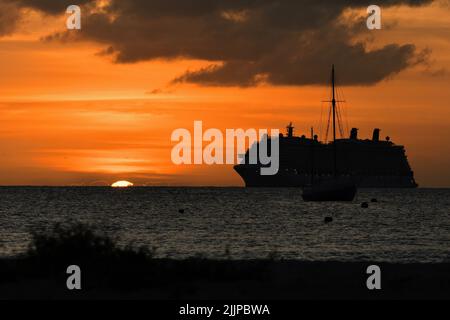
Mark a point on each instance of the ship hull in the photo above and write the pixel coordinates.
(289, 178)
(333, 190)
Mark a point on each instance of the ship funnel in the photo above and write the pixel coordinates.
(354, 134)
(376, 135)
(290, 130)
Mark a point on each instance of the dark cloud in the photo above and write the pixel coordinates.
(250, 41)
(9, 16)
(290, 42)
(51, 6)
(307, 61)
(10, 10)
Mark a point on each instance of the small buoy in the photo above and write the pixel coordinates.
(374, 200)
(364, 205)
(181, 211)
(328, 219)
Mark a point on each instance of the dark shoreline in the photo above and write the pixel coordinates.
(201, 279)
(110, 271)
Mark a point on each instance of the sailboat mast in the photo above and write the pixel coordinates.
(312, 156)
(333, 103)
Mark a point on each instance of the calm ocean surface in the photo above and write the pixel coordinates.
(403, 226)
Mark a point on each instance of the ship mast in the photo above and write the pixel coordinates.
(312, 155)
(333, 103)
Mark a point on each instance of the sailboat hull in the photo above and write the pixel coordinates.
(332, 191)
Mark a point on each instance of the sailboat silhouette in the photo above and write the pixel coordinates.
(337, 188)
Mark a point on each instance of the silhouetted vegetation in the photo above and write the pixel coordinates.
(110, 270)
(82, 244)
(105, 264)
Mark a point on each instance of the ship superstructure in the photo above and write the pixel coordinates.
(371, 162)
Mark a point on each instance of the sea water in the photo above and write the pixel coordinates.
(404, 225)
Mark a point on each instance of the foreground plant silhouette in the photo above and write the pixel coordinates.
(109, 270)
(105, 264)
(81, 243)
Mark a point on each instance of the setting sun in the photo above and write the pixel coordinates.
(122, 184)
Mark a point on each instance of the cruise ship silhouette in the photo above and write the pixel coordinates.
(371, 163)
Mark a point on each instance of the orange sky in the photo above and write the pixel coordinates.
(69, 116)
